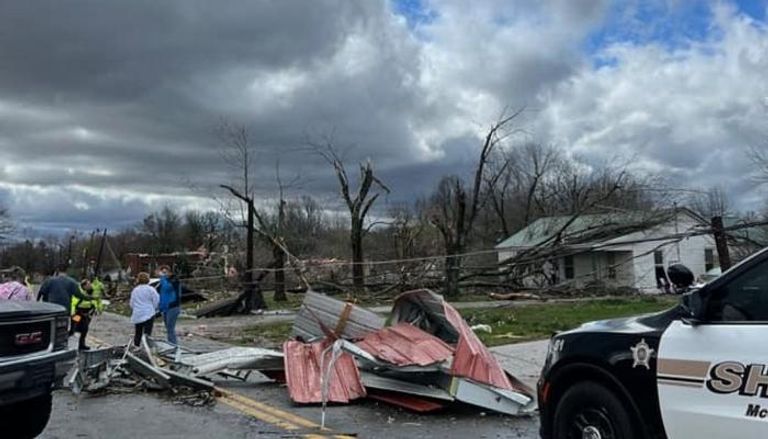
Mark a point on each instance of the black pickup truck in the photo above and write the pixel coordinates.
(34, 358)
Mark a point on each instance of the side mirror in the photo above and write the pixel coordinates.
(694, 307)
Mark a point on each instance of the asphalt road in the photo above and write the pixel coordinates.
(153, 416)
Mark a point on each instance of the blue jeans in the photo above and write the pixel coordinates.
(169, 317)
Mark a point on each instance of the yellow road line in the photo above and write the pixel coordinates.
(258, 414)
(290, 417)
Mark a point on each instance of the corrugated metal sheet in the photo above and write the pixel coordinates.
(237, 358)
(430, 312)
(406, 345)
(320, 314)
(303, 374)
(472, 359)
(378, 382)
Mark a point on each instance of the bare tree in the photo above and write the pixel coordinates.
(304, 225)
(514, 183)
(369, 188)
(6, 226)
(714, 202)
(202, 229)
(454, 206)
(238, 152)
(164, 230)
(759, 159)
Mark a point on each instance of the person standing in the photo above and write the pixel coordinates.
(14, 288)
(98, 294)
(82, 312)
(170, 301)
(144, 303)
(60, 288)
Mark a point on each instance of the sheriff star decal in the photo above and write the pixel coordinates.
(641, 353)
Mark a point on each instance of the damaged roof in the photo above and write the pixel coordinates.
(303, 373)
(406, 345)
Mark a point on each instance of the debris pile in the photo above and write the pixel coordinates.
(184, 375)
(423, 357)
(428, 358)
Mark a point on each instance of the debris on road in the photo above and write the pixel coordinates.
(406, 345)
(118, 370)
(428, 358)
(321, 316)
(314, 374)
(232, 359)
(423, 357)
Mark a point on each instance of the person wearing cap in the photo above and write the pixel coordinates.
(144, 303)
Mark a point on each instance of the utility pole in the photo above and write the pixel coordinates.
(677, 244)
(721, 243)
(85, 253)
(97, 270)
(69, 251)
(248, 275)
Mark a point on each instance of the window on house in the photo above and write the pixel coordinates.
(710, 259)
(570, 272)
(610, 262)
(658, 258)
(662, 282)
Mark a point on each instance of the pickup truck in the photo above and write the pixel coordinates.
(34, 358)
(697, 370)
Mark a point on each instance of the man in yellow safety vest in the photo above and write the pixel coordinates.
(83, 309)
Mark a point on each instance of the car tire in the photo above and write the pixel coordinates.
(29, 417)
(591, 410)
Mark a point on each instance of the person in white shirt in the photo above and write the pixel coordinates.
(144, 303)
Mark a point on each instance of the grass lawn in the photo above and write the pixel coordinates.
(509, 324)
(532, 322)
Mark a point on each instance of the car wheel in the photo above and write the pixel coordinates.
(29, 417)
(589, 410)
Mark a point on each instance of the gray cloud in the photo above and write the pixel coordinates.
(108, 109)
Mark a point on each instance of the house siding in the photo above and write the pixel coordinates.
(691, 251)
(635, 267)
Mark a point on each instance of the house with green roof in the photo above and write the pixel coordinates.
(617, 249)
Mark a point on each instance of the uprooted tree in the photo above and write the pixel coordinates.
(369, 188)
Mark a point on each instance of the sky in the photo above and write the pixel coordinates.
(110, 110)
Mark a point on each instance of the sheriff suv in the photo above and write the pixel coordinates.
(34, 358)
(698, 370)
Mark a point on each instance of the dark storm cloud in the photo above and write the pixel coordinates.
(109, 109)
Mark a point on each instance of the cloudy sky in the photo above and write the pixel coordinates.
(108, 110)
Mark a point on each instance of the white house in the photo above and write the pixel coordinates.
(617, 249)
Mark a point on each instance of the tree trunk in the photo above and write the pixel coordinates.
(279, 256)
(358, 273)
(452, 272)
(721, 243)
(253, 296)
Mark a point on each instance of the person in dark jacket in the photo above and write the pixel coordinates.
(60, 288)
(170, 301)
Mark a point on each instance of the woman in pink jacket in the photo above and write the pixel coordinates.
(14, 288)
